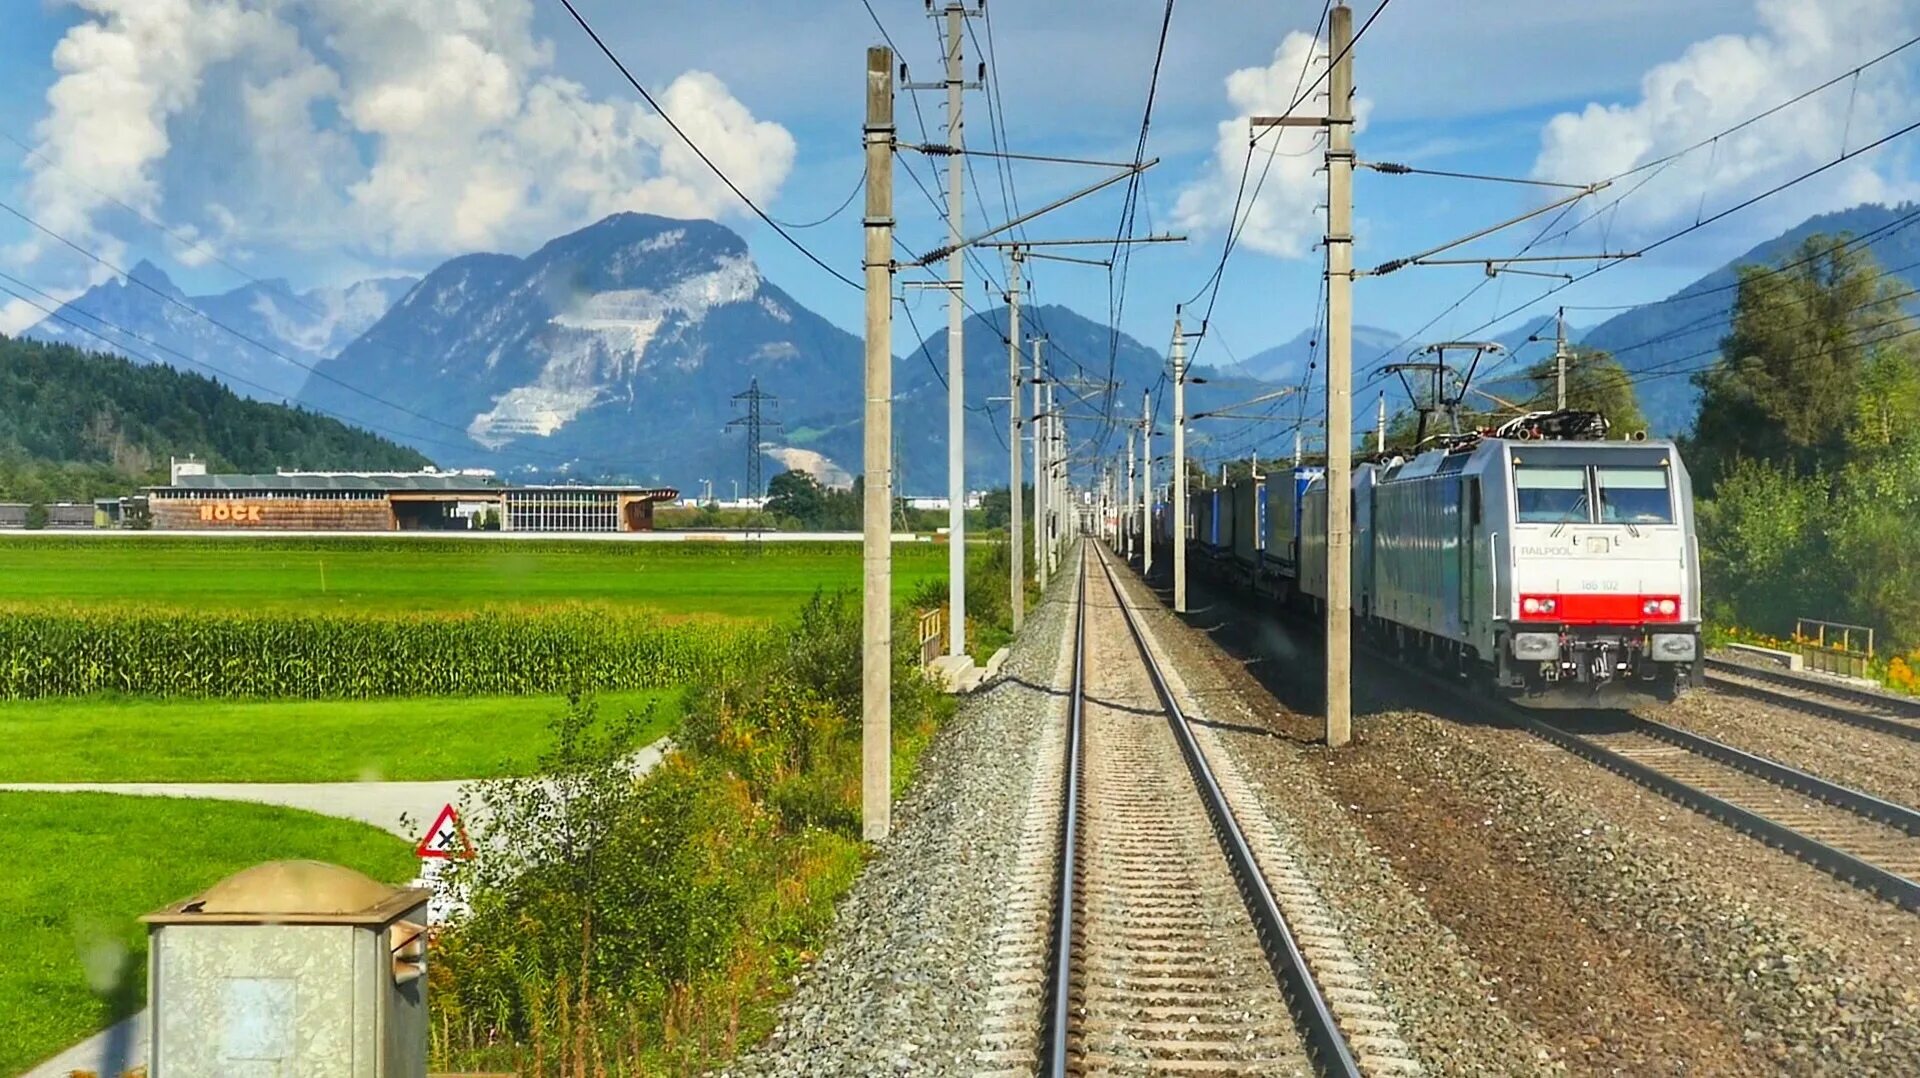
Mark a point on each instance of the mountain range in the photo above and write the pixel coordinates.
(261, 338)
(618, 350)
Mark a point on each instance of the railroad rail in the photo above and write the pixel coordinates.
(1163, 956)
(1856, 837)
(1859, 839)
(1843, 703)
(1862, 840)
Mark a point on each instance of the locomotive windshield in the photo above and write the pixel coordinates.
(1592, 495)
(1551, 495)
(1634, 496)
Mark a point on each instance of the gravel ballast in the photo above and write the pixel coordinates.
(903, 985)
(1527, 910)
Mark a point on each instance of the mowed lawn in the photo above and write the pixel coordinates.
(138, 739)
(395, 575)
(76, 870)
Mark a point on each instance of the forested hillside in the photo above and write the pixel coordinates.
(77, 425)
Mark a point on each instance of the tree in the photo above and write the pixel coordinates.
(1596, 382)
(1787, 385)
(996, 506)
(797, 496)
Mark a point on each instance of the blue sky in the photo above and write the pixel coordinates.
(326, 140)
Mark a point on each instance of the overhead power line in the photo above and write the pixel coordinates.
(1129, 209)
(1653, 167)
(1867, 238)
(700, 153)
(1699, 224)
(844, 203)
(1757, 117)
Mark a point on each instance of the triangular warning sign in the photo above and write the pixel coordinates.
(446, 838)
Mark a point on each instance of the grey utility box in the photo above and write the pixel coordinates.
(291, 969)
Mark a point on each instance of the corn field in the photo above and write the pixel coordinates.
(346, 656)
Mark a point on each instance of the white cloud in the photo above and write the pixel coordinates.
(1720, 81)
(395, 128)
(17, 316)
(1281, 220)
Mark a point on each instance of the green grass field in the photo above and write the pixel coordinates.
(77, 869)
(137, 739)
(759, 581)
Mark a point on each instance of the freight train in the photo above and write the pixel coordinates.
(1541, 560)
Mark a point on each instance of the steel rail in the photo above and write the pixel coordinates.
(1838, 863)
(1060, 971)
(1908, 728)
(1842, 865)
(1855, 801)
(1320, 1030)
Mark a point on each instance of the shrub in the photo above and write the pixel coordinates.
(650, 925)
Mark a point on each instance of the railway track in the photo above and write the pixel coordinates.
(1182, 940)
(1861, 839)
(1860, 707)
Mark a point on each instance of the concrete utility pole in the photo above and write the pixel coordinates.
(1016, 509)
(876, 653)
(1380, 424)
(1056, 480)
(1127, 511)
(1039, 473)
(1146, 482)
(1560, 358)
(1050, 505)
(1178, 353)
(956, 353)
(1339, 728)
(1339, 474)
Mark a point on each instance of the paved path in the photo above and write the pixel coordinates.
(378, 803)
(123, 1046)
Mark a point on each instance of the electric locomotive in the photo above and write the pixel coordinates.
(1559, 568)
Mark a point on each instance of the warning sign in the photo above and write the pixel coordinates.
(446, 838)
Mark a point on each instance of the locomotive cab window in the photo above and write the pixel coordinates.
(1634, 496)
(1551, 495)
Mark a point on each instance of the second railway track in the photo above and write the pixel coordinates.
(1860, 707)
(1183, 940)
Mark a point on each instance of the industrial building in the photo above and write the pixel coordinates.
(393, 501)
(58, 515)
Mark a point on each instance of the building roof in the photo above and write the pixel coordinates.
(382, 482)
(373, 481)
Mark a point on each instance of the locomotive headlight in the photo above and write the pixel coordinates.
(1669, 607)
(1530, 605)
(1536, 646)
(1651, 606)
(1546, 606)
(1675, 647)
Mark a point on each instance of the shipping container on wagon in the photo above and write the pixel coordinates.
(1313, 535)
(1248, 499)
(1285, 497)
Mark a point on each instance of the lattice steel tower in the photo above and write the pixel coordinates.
(754, 423)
